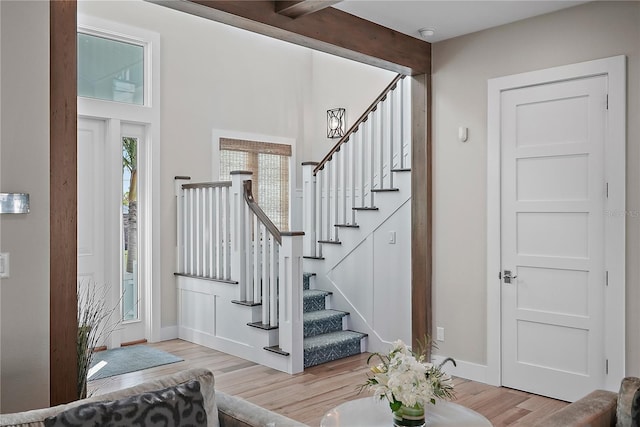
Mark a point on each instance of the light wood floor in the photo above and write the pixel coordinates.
(307, 396)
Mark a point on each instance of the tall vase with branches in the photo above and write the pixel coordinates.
(95, 325)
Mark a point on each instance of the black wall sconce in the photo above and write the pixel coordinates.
(336, 125)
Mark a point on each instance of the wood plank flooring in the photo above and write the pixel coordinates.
(307, 396)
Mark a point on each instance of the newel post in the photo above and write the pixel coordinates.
(290, 300)
(309, 208)
(237, 220)
(180, 221)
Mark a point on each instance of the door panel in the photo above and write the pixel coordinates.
(552, 194)
(91, 146)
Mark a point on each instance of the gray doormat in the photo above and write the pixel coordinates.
(129, 359)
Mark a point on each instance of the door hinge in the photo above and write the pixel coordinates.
(606, 107)
(606, 278)
(607, 190)
(499, 275)
(606, 366)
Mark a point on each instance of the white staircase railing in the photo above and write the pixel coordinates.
(223, 235)
(359, 165)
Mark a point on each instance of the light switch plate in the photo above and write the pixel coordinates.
(4, 265)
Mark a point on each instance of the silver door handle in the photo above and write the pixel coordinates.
(507, 276)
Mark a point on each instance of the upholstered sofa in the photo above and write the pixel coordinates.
(601, 408)
(166, 397)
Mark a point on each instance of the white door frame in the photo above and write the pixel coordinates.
(615, 176)
(148, 114)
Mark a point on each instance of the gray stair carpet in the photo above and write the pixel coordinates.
(324, 338)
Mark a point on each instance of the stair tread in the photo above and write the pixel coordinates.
(366, 208)
(381, 190)
(331, 338)
(333, 242)
(315, 316)
(314, 293)
(308, 274)
(347, 225)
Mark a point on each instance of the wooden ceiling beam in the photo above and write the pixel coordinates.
(329, 30)
(296, 9)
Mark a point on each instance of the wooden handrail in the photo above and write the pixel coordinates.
(207, 184)
(362, 119)
(257, 210)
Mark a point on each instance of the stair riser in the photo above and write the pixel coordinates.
(323, 326)
(315, 357)
(314, 304)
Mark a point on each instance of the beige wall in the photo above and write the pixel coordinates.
(24, 148)
(461, 68)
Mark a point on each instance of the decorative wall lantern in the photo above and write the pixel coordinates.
(336, 124)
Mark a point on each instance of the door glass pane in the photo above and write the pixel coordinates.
(110, 70)
(130, 227)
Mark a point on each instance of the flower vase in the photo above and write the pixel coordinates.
(409, 416)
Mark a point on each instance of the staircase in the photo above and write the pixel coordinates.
(325, 338)
(240, 282)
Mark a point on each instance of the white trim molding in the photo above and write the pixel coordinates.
(615, 175)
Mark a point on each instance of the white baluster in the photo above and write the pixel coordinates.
(310, 206)
(212, 241)
(336, 208)
(328, 169)
(273, 292)
(198, 230)
(344, 181)
(353, 160)
(319, 211)
(381, 138)
(391, 135)
(363, 156)
(257, 270)
(401, 159)
(227, 244)
(372, 154)
(248, 221)
(266, 298)
(191, 232)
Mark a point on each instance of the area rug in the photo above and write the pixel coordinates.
(129, 359)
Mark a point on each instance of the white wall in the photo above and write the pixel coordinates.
(219, 77)
(461, 68)
(24, 149)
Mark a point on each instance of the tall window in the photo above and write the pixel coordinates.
(269, 163)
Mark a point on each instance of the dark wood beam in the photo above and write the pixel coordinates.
(421, 209)
(329, 30)
(63, 370)
(296, 9)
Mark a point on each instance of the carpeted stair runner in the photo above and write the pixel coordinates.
(324, 337)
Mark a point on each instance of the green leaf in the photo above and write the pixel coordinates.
(395, 405)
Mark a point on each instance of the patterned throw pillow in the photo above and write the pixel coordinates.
(635, 410)
(181, 405)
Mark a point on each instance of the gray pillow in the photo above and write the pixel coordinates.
(635, 409)
(181, 405)
(628, 389)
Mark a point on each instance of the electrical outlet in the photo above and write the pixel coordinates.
(4, 265)
(440, 333)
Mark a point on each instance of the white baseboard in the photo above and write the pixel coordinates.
(467, 370)
(168, 333)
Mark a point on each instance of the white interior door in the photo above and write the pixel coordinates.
(552, 226)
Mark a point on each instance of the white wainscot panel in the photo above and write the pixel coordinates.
(230, 323)
(564, 178)
(537, 122)
(197, 311)
(551, 346)
(392, 278)
(559, 234)
(553, 290)
(353, 277)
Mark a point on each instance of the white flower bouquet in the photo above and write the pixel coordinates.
(406, 379)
